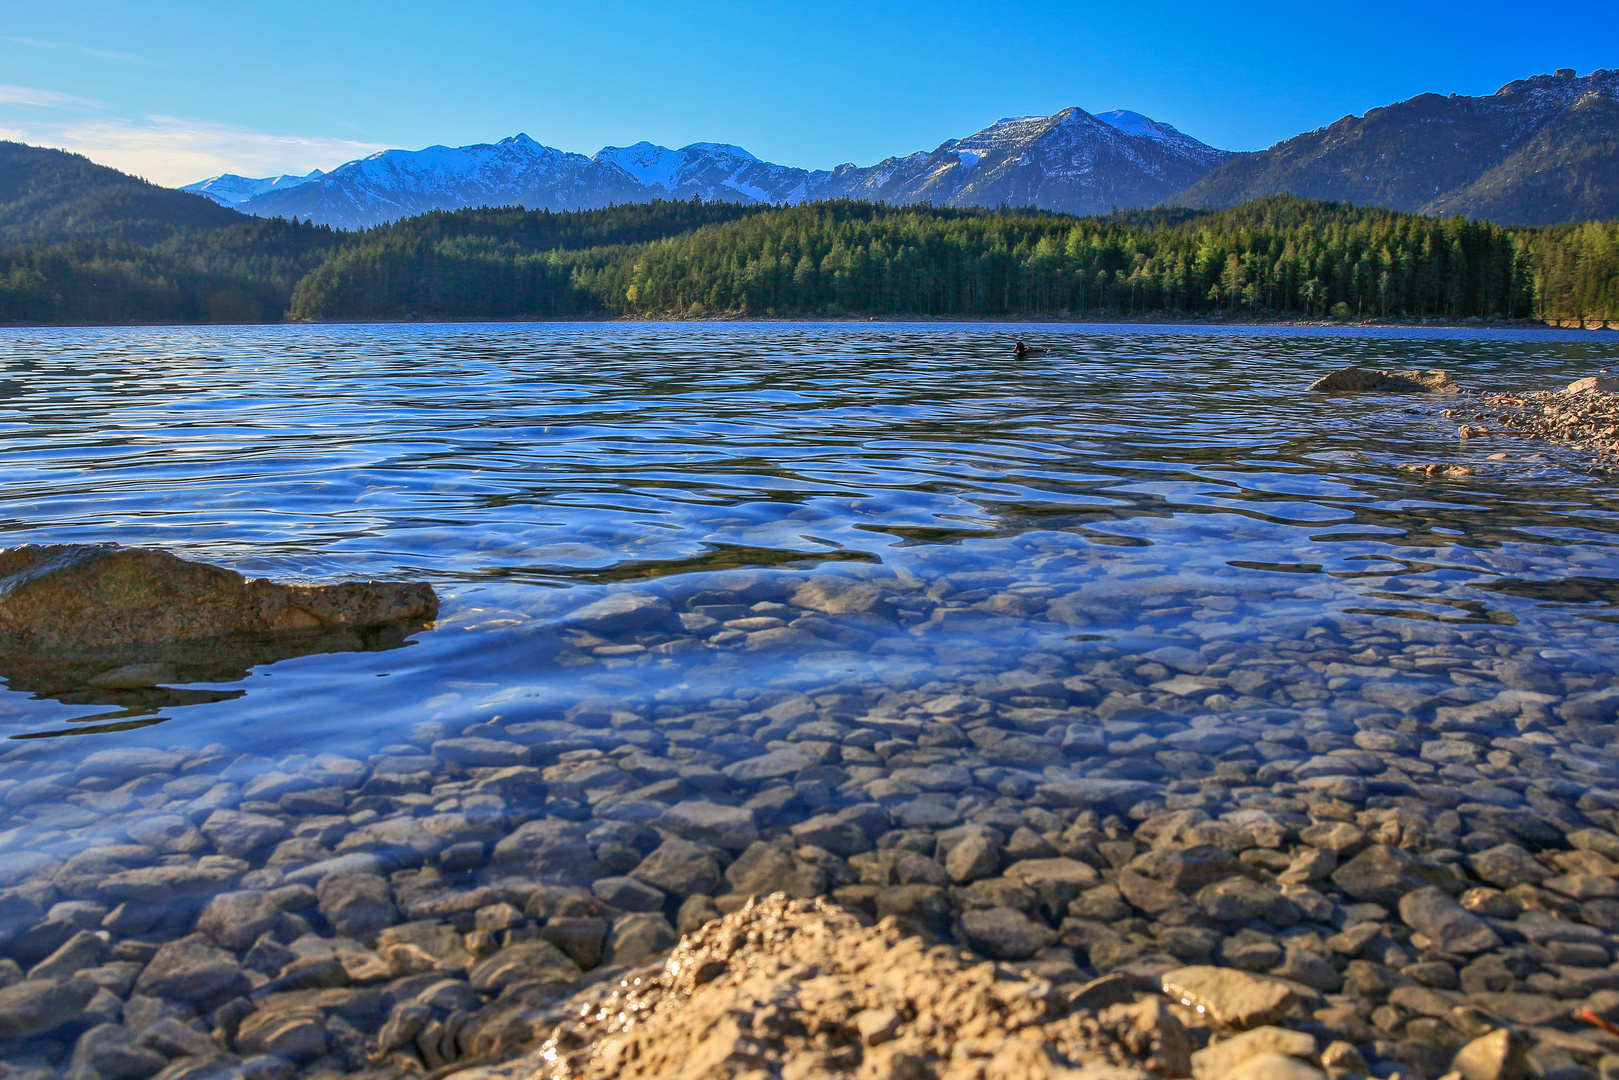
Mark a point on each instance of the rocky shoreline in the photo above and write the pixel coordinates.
(1583, 415)
(1421, 861)
(1259, 848)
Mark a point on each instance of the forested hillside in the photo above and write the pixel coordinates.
(83, 243)
(246, 271)
(1279, 257)
(243, 273)
(50, 196)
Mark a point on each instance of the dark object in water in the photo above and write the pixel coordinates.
(1024, 352)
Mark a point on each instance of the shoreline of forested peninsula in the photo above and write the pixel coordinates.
(1037, 319)
(1275, 261)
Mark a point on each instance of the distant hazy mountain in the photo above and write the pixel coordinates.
(401, 183)
(1072, 162)
(48, 196)
(232, 190)
(1537, 151)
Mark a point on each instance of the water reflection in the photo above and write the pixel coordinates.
(139, 682)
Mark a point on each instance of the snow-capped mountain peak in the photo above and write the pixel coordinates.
(228, 189)
(1070, 161)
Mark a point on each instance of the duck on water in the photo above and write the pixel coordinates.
(1024, 352)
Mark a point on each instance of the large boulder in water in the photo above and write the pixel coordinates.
(1352, 379)
(69, 598)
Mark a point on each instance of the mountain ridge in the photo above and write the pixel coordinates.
(1542, 150)
(1070, 162)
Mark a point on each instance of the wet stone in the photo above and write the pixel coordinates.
(292, 1032)
(84, 949)
(1273, 1066)
(628, 893)
(680, 868)
(192, 969)
(238, 834)
(764, 869)
(729, 827)
(34, 1007)
(620, 612)
(1087, 792)
(1239, 899)
(481, 752)
(976, 854)
(169, 883)
(838, 835)
(1498, 1055)
(1432, 913)
(1383, 875)
(172, 1038)
(356, 904)
(583, 940)
(536, 961)
(1506, 866)
(111, 1052)
(169, 833)
(639, 938)
(1005, 933)
(236, 920)
(1219, 1059)
(925, 813)
(1230, 999)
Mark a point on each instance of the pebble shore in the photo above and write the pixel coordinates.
(1413, 825)
(1584, 416)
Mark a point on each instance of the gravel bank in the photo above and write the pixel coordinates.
(1584, 415)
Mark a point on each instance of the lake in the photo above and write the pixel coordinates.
(728, 582)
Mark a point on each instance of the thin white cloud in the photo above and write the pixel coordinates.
(88, 50)
(173, 151)
(48, 99)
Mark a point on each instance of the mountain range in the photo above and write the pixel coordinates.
(1539, 151)
(1072, 162)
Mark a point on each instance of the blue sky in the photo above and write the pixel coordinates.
(182, 90)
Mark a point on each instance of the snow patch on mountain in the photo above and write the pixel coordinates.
(648, 163)
(1134, 123)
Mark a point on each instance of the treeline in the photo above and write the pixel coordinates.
(244, 273)
(1279, 257)
(503, 262)
(1574, 271)
(91, 281)
(520, 230)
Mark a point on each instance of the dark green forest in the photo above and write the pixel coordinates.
(1275, 257)
(111, 248)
